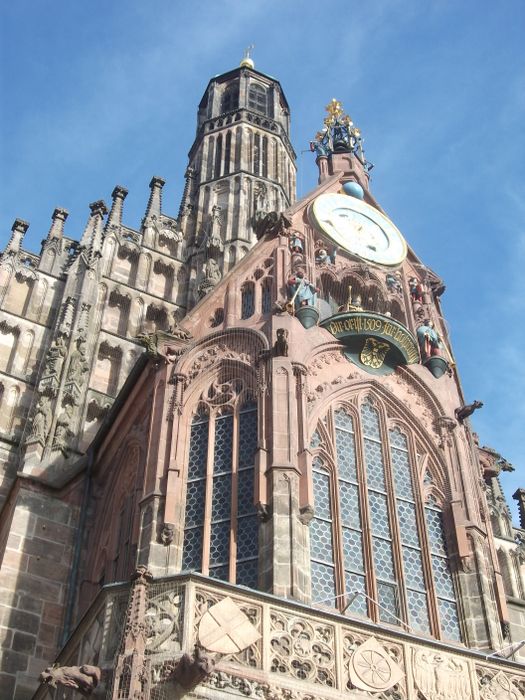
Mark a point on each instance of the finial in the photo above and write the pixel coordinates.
(247, 61)
(339, 135)
(57, 223)
(18, 231)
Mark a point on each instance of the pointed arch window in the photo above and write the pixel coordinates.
(221, 527)
(376, 549)
(247, 300)
(230, 98)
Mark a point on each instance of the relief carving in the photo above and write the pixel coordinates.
(498, 686)
(438, 676)
(371, 668)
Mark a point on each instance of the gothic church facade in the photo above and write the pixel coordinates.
(236, 457)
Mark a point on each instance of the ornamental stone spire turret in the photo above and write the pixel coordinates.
(18, 231)
(58, 220)
(92, 237)
(118, 196)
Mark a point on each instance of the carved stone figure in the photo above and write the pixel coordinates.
(416, 290)
(273, 224)
(438, 676)
(78, 364)
(192, 670)
(301, 292)
(55, 357)
(166, 536)
(42, 419)
(84, 679)
(63, 429)
(467, 410)
(281, 344)
(211, 272)
(322, 256)
(178, 332)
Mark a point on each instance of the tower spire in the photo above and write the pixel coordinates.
(247, 60)
(57, 223)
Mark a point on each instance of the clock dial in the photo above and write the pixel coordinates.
(358, 228)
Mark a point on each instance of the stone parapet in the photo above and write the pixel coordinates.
(294, 651)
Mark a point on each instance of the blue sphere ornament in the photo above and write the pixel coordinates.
(353, 189)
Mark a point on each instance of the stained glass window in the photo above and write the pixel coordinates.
(232, 484)
(247, 300)
(368, 506)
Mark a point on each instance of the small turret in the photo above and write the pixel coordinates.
(92, 237)
(58, 220)
(519, 496)
(118, 196)
(18, 231)
(154, 208)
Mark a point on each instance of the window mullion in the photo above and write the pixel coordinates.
(206, 533)
(368, 557)
(234, 499)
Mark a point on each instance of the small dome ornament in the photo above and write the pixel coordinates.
(247, 61)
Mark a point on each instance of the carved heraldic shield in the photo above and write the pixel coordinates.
(440, 676)
(373, 353)
(371, 668)
(226, 629)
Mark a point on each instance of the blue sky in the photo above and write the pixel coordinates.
(103, 93)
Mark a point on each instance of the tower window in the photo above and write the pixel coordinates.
(219, 497)
(258, 99)
(366, 510)
(230, 98)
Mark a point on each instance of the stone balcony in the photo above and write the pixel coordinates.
(290, 652)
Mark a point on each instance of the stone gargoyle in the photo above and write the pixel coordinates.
(83, 679)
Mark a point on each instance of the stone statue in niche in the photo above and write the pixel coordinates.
(55, 357)
(78, 364)
(393, 282)
(296, 244)
(83, 679)
(212, 274)
(63, 430)
(42, 420)
(213, 234)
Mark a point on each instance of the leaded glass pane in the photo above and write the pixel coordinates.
(402, 474)
(349, 504)
(222, 456)
(352, 550)
(220, 543)
(247, 537)
(413, 568)
(418, 611)
(220, 572)
(247, 572)
(321, 484)
(221, 499)
(195, 503)
(435, 532)
(316, 440)
(379, 514)
(321, 540)
(343, 420)
(448, 613)
(346, 455)
(247, 301)
(198, 450)
(245, 492)
(406, 515)
(192, 553)
(397, 439)
(443, 578)
(267, 298)
(370, 421)
(355, 584)
(383, 563)
(374, 465)
(323, 584)
(247, 438)
(387, 599)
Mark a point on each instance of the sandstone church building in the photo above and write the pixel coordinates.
(236, 456)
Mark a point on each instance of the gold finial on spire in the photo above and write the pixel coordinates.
(247, 61)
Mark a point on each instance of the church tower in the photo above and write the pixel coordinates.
(241, 166)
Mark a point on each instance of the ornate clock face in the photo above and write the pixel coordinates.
(358, 228)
